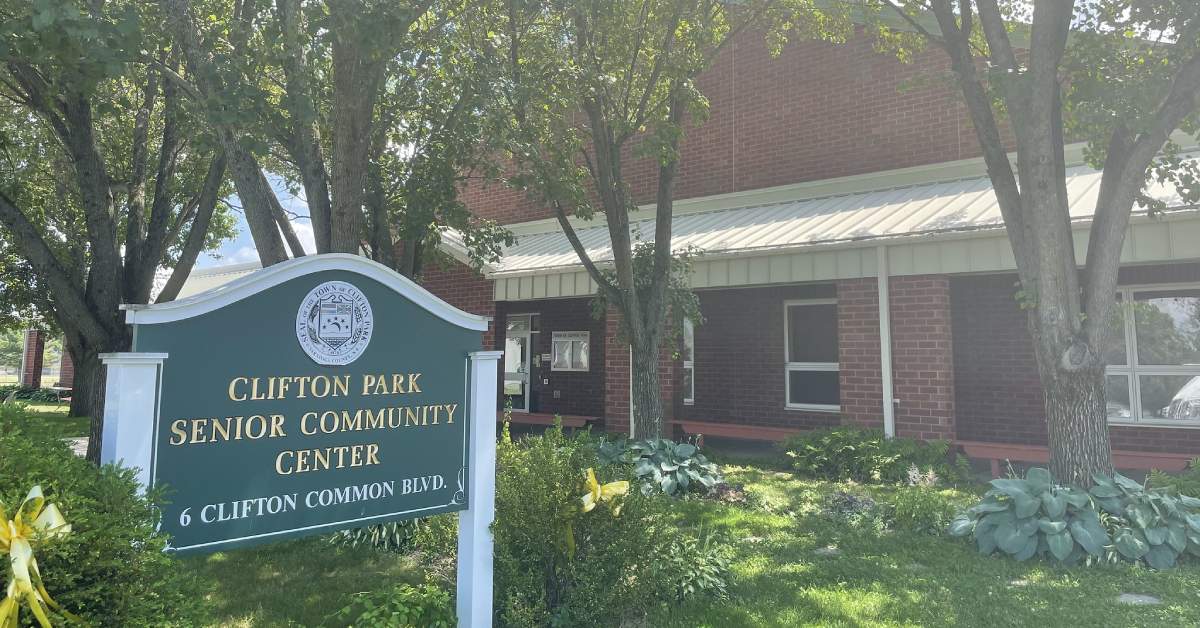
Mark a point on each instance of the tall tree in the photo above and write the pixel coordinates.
(594, 84)
(104, 174)
(1121, 74)
(374, 108)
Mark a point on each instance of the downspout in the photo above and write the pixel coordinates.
(885, 342)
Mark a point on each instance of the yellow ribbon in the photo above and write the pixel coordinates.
(601, 493)
(34, 520)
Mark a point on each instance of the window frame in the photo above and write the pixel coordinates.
(1132, 370)
(789, 367)
(584, 337)
(689, 366)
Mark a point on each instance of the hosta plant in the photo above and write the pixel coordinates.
(1117, 518)
(1153, 525)
(662, 464)
(1024, 517)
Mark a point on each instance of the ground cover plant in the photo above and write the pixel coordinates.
(863, 455)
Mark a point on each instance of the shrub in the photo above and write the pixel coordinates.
(393, 536)
(556, 565)
(1117, 519)
(111, 569)
(698, 567)
(846, 453)
(33, 395)
(855, 511)
(402, 606)
(664, 465)
(922, 509)
(1184, 483)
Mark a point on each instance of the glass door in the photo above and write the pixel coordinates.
(516, 362)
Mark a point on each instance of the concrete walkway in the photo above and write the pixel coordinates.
(78, 445)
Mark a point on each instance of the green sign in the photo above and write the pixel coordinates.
(319, 394)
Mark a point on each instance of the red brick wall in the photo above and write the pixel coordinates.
(462, 287)
(998, 396)
(617, 383)
(816, 111)
(616, 376)
(66, 369)
(922, 355)
(739, 365)
(858, 349)
(35, 349)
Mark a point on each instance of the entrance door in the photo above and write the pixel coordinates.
(516, 362)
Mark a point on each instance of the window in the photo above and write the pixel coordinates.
(1154, 356)
(689, 362)
(811, 347)
(569, 350)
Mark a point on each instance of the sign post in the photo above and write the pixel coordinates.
(316, 395)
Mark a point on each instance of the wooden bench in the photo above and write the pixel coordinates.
(735, 430)
(1140, 460)
(543, 418)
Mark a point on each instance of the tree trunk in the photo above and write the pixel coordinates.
(646, 396)
(87, 397)
(1077, 424)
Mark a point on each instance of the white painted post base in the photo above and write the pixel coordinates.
(130, 409)
(474, 524)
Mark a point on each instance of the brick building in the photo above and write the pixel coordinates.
(854, 270)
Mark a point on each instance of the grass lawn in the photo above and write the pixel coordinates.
(295, 583)
(878, 579)
(52, 418)
(904, 579)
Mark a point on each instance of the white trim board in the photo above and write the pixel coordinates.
(249, 285)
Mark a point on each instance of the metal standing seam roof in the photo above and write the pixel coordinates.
(961, 205)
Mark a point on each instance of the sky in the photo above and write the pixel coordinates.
(241, 248)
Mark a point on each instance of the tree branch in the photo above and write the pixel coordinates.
(209, 195)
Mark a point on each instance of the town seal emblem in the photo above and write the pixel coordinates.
(334, 323)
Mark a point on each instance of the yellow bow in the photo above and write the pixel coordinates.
(600, 493)
(33, 521)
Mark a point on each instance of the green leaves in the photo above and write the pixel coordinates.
(1030, 516)
(664, 465)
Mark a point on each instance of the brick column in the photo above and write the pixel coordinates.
(923, 355)
(31, 363)
(66, 369)
(616, 376)
(860, 376)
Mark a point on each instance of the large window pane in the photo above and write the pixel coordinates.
(813, 387)
(1168, 327)
(812, 333)
(689, 340)
(1170, 397)
(1118, 398)
(689, 384)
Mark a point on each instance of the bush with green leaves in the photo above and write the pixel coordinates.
(697, 566)
(664, 465)
(862, 455)
(392, 536)
(558, 566)
(402, 606)
(923, 509)
(111, 569)
(31, 395)
(1116, 519)
(1153, 525)
(1186, 482)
